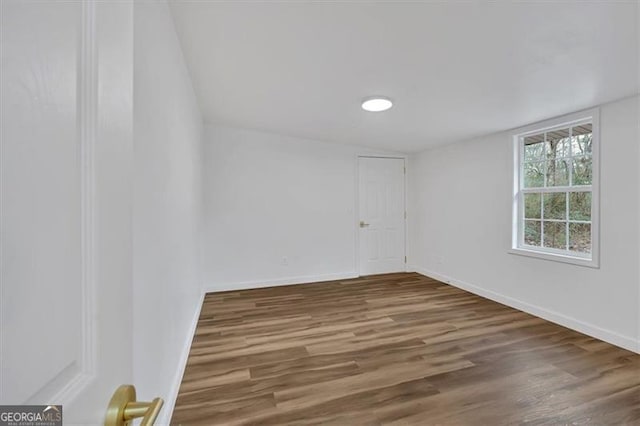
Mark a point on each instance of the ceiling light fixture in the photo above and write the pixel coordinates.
(376, 104)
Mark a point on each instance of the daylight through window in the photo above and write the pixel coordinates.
(554, 199)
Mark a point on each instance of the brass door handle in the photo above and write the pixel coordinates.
(363, 224)
(123, 408)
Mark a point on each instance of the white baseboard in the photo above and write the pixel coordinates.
(246, 285)
(555, 317)
(167, 410)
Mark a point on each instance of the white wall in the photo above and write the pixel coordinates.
(460, 218)
(269, 197)
(167, 211)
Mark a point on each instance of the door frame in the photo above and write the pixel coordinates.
(356, 218)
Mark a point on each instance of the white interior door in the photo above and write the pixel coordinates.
(382, 215)
(66, 148)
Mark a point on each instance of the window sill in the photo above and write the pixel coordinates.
(579, 261)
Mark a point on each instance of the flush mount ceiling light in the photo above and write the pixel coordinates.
(376, 104)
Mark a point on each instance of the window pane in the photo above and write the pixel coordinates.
(580, 237)
(532, 206)
(532, 232)
(556, 160)
(557, 145)
(582, 167)
(555, 235)
(534, 147)
(580, 206)
(581, 142)
(555, 205)
(563, 149)
(558, 172)
(534, 174)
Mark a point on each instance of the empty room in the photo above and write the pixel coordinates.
(319, 212)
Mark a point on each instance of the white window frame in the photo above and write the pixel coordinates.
(517, 199)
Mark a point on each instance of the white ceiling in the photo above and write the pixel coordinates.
(454, 70)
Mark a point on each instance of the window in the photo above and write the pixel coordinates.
(555, 204)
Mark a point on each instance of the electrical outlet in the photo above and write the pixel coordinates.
(285, 261)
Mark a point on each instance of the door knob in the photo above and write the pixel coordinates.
(363, 224)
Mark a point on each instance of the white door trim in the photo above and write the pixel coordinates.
(356, 202)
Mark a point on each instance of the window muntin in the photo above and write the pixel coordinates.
(554, 208)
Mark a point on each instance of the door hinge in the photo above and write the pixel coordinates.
(405, 215)
(405, 169)
(405, 259)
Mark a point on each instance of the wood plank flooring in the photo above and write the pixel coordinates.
(397, 349)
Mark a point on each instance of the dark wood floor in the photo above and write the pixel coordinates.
(396, 349)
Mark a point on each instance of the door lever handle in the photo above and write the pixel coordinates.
(123, 408)
(363, 224)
